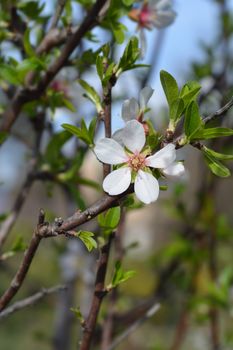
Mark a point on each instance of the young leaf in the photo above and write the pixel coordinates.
(212, 133)
(217, 154)
(120, 275)
(176, 110)
(86, 238)
(189, 92)
(109, 221)
(91, 94)
(26, 43)
(170, 86)
(193, 121)
(216, 166)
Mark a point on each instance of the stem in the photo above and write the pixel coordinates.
(26, 95)
(19, 305)
(108, 326)
(99, 293)
(17, 281)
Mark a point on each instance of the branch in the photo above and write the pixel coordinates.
(134, 326)
(99, 293)
(19, 305)
(219, 112)
(29, 94)
(58, 13)
(20, 199)
(24, 266)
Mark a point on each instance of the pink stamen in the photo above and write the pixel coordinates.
(136, 161)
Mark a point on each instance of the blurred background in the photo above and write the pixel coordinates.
(180, 247)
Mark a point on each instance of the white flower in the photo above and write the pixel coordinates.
(135, 163)
(154, 13)
(132, 109)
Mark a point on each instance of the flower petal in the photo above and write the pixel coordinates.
(110, 152)
(117, 136)
(164, 18)
(174, 169)
(134, 136)
(163, 158)
(145, 95)
(146, 187)
(130, 109)
(117, 181)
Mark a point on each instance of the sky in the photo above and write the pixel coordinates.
(196, 21)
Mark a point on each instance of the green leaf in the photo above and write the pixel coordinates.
(216, 166)
(189, 92)
(109, 221)
(217, 154)
(176, 110)
(9, 74)
(26, 43)
(128, 2)
(86, 238)
(91, 94)
(193, 121)
(170, 86)
(212, 133)
(3, 136)
(129, 57)
(91, 129)
(100, 66)
(120, 275)
(82, 133)
(52, 154)
(78, 314)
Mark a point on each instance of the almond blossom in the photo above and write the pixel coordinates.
(135, 164)
(154, 13)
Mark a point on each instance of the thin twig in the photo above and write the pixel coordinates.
(29, 94)
(24, 266)
(99, 293)
(109, 324)
(59, 9)
(11, 218)
(21, 304)
(219, 112)
(134, 326)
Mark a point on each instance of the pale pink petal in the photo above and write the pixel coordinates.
(145, 95)
(117, 181)
(110, 152)
(175, 169)
(163, 158)
(134, 136)
(130, 109)
(117, 136)
(146, 187)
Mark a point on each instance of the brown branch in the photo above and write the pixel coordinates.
(109, 324)
(99, 293)
(59, 9)
(24, 266)
(20, 199)
(219, 112)
(181, 330)
(149, 313)
(19, 305)
(25, 95)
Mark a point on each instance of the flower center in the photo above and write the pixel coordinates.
(136, 161)
(145, 16)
